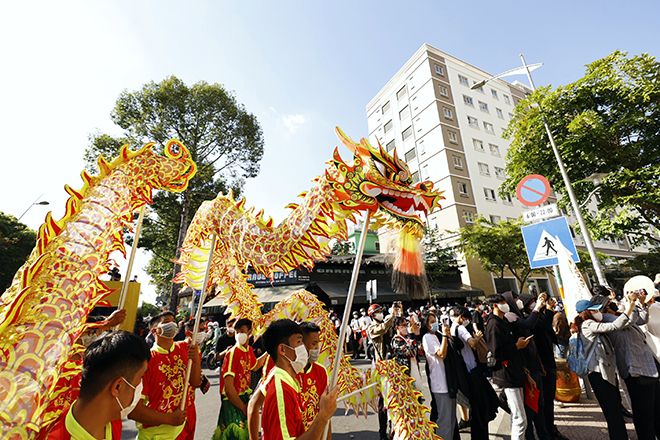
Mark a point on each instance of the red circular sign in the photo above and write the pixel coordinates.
(533, 190)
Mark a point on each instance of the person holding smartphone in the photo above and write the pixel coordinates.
(524, 315)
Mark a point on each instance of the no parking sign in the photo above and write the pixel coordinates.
(533, 190)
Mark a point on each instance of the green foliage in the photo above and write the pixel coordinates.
(183, 315)
(148, 309)
(439, 260)
(606, 123)
(645, 264)
(16, 243)
(225, 141)
(343, 248)
(498, 246)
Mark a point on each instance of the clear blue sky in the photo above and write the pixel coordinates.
(302, 67)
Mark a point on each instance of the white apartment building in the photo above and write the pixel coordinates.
(452, 136)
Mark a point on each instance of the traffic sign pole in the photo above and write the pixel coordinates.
(569, 189)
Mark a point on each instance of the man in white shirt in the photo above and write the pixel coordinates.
(365, 322)
(356, 330)
(483, 400)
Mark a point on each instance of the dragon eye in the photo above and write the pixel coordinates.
(381, 168)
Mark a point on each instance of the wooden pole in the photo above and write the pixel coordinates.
(131, 259)
(198, 317)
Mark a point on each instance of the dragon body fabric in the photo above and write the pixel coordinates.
(373, 181)
(45, 309)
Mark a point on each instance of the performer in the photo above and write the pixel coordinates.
(239, 362)
(282, 415)
(113, 367)
(159, 414)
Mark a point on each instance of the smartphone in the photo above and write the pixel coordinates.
(529, 337)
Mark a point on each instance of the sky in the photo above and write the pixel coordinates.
(301, 67)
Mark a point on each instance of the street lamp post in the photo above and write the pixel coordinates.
(43, 202)
(569, 188)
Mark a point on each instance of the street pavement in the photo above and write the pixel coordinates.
(577, 421)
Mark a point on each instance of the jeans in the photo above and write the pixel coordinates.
(609, 400)
(446, 415)
(561, 350)
(516, 399)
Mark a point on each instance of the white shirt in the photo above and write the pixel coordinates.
(437, 374)
(355, 324)
(365, 322)
(466, 351)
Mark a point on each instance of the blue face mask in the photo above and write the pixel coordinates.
(434, 327)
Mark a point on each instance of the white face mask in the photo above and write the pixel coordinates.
(504, 308)
(314, 355)
(481, 308)
(465, 322)
(88, 339)
(519, 304)
(200, 338)
(241, 338)
(137, 393)
(597, 316)
(378, 316)
(301, 358)
(168, 330)
(532, 305)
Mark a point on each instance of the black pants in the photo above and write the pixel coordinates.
(537, 419)
(609, 399)
(549, 382)
(645, 399)
(382, 418)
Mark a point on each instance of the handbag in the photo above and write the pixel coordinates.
(482, 351)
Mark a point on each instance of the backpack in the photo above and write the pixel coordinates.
(577, 360)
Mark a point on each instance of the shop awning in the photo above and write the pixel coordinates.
(215, 302)
(339, 291)
(457, 290)
(272, 295)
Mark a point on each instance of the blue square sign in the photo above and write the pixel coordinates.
(541, 242)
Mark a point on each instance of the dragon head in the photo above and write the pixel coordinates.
(377, 181)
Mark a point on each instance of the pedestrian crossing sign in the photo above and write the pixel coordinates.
(541, 242)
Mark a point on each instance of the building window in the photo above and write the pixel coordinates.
(507, 199)
(406, 133)
(443, 90)
(390, 146)
(415, 177)
(401, 93)
(448, 113)
(499, 172)
(499, 113)
(421, 147)
(469, 217)
(490, 194)
(506, 99)
(386, 107)
(458, 162)
(410, 155)
(489, 127)
(494, 93)
(405, 113)
(510, 116)
(452, 137)
(495, 218)
(479, 89)
(483, 107)
(388, 126)
(468, 101)
(494, 150)
(483, 169)
(425, 172)
(478, 145)
(473, 122)
(439, 70)
(463, 189)
(463, 80)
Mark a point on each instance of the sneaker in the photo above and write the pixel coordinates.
(559, 404)
(626, 413)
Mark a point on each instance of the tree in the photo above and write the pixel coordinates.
(343, 248)
(608, 124)
(645, 264)
(439, 260)
(16, 243)
(225, 141)
(498, 246)
(148, 309)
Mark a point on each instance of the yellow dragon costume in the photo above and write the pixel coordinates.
(44, 310)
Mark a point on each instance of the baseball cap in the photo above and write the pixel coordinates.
(583, 305)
